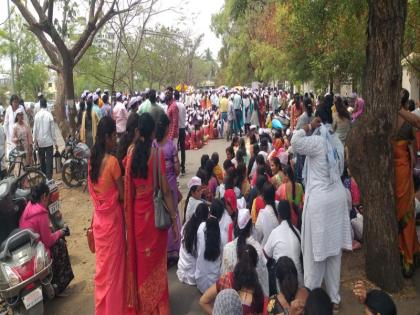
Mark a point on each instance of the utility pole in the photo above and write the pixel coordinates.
(12, 59)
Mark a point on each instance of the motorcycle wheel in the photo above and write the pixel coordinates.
(68, 175)
(31, 178)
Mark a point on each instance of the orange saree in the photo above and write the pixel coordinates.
(147, 281)
(404, 193)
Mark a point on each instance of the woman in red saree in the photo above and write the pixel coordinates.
(106, 190)
(147, 281)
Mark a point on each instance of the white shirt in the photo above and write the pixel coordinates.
(182, 115)
(9, 121)
(283, 242)
(206, 272)
(191, 207)
(186, 264)
(224, 223)
(266, 222)
(326, 221)
(230, 258)
(44, 133)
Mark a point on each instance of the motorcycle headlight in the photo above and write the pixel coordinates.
(41, 257)
(12, 277)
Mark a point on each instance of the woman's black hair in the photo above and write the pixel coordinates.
(38, 191)
(342, 111)
(411, 105)
(193, 189)
(324, 113)
(378, 302)
(260, 159)
(240, 174)
(242, 145)
(106, 127)
(14, 97)
(89, 105)
(190, 229)
(235, 140)
(405, 95)
(264, 144)
(318, 303)
(269, 196)
(209, 168)
(287, 277)
(203, 175)
(212, 249)
(128, 137)
(161, 127)
(307, 102)
(242, 235)
(284, 213)
(255, 148)
(240, 154)
(261, 179)
(203, 160)
(253, 139)
(143, 147)
(229, 179)
(261, 170)
(227, 164)
(245, 276)
(215, 158)
(288, 170)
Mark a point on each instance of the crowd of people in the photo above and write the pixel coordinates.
(264, 223)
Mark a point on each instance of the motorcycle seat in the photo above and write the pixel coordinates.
(16, 242)
(22, 193)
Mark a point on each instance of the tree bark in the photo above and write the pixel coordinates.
(370, 142)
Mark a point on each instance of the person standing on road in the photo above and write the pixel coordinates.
(224, 103)
(120, 115)
(237, 106)
(173, 115)
(106, 109)
(89, 125)
(181, 126)
(147, 279)
(44, 138)
(107, 192)
(9, 121)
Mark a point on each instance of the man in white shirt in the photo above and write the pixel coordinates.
(120, 115)
(44, 138)
(9, 121)
(181, 127)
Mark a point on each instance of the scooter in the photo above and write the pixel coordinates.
(75, 167)
(25, 264)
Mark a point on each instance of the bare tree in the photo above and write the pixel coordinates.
(64, 56)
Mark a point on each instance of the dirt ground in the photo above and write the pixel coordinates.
(77, 211)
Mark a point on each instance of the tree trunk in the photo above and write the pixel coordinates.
(370, 142)
(65, 96)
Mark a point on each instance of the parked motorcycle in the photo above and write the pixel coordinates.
(75, 167)
(25, 264)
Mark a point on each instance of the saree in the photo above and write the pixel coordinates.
(108, 231)
(147, 281)
(404, 193)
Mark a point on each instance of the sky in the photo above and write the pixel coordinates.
(196, 18)
(197, 15)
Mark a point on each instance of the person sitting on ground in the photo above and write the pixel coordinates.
(267, 218)
(317, 303)
(227, 165)
(254, 153)
(239, 157)
(242, 181)
(188, 252)
(213, 183)
(235, 143)
(376, 302)
(242, 146)
(203, 161)
(261, 169)
(36, 218)
(243, 235)
(244, 280)
(258, 202)
(277, 171)
(285, 239)
(193, 198)
(293, 192)
(292, 297)
(229, 182)
(230, 154)
(209, 248)
(228, 302)
(217, 169)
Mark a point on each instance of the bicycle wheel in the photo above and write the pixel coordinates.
(31, 178)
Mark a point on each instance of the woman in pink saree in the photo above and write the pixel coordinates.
(106, 190)
(147, 280)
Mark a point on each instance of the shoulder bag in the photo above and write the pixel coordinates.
(162, 217)
(90, 237)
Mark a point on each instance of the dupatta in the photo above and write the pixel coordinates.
(131, 261)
